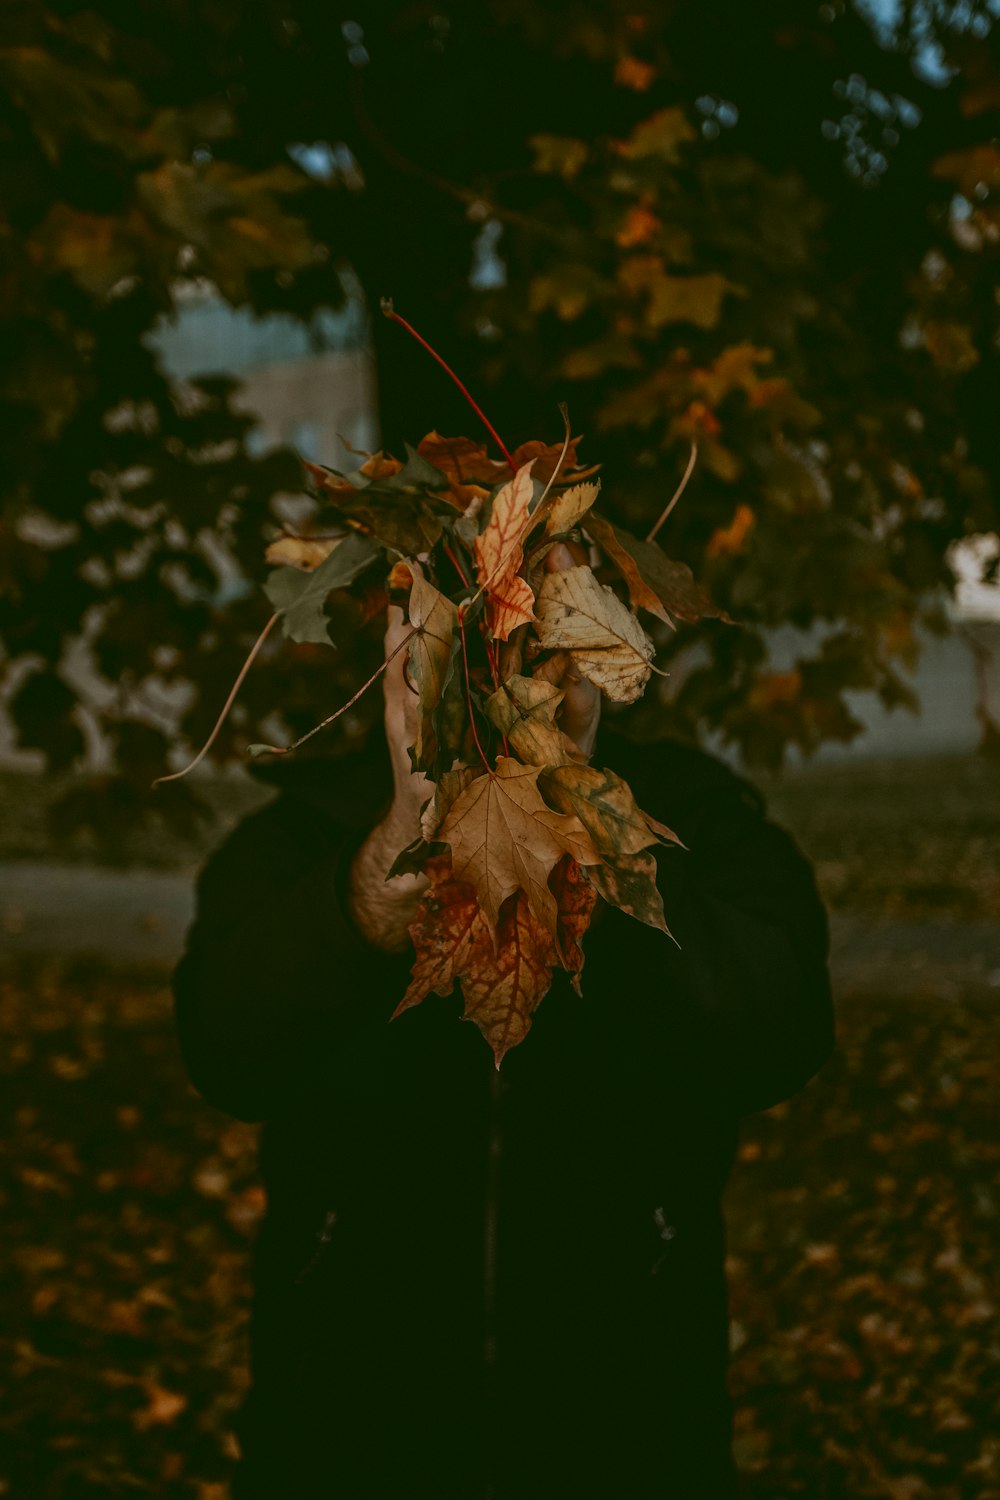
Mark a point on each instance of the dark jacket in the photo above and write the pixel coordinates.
(473, 1284)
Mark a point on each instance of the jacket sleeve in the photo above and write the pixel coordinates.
(276, 978)
(751, 966)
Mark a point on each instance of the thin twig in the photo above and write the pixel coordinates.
(255, 648)
(678, 492)
(287, 749)
(391, 312)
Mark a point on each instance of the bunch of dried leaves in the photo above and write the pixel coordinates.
(521, 835)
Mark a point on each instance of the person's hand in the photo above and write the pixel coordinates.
(412, 788)
(580, 710)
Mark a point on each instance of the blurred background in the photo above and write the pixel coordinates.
(768, 229)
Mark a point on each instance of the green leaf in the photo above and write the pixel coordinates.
(415, 474)
(299, 597)
(451, 715)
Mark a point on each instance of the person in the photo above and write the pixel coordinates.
(472, 1283)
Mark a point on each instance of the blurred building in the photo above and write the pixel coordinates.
(311, 386)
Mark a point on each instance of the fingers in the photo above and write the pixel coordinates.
(564, 555)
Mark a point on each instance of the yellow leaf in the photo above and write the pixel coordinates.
(662, 134)
(569, 508)
(608, 645)
(728, 540)
(303, 552)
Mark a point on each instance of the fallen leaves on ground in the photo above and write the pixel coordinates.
(862, 1232)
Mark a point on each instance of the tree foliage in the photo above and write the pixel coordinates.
(770, 230)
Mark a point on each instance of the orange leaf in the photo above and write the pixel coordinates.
(380, 465)
(632, 73)
(448, 926)
(461, 460)
(576, 899)
(499, 554)
(731, 539)
(639, 226)
(503, 990)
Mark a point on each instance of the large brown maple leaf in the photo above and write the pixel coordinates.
(505, 838)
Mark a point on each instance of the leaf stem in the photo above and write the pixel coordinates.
(453, 559)
(678, 492)
(206, 747)
(287, 749)
(391, 312)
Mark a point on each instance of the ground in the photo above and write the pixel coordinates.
(863, 1214)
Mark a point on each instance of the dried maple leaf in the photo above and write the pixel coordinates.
(436, 620)
(499, 554)
(655, 582)
(505, 838)
(502, 990)
(608, 645)
(462, 461)
(524, 709)
(569, 508)
(448, 925)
